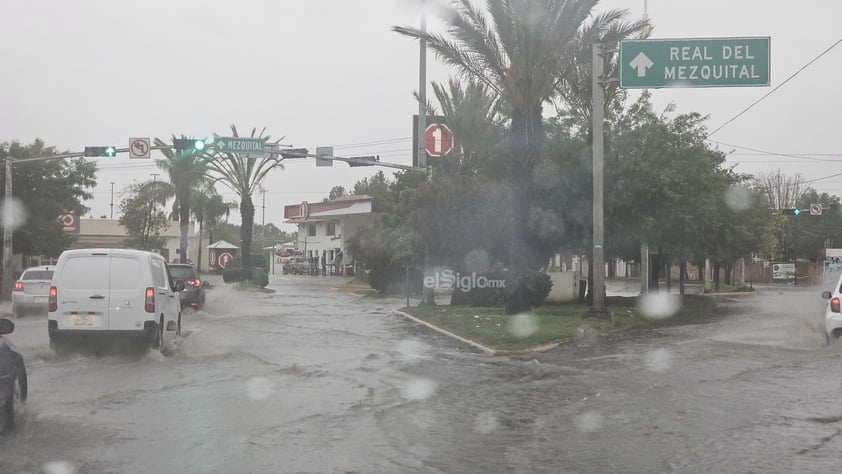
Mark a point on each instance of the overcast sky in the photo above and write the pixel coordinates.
(331, 72)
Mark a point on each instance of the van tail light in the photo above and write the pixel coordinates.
(834, 305)
(149, 304)
(53, 302)
(197, 283)
(18, 286)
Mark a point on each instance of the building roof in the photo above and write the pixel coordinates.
(320, 211)
(221, 244)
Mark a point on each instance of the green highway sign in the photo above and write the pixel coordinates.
(706, 62)
(238, 144)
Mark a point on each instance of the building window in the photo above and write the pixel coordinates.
(311, 230)
(331, 228)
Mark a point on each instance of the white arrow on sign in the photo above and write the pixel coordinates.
(641, 62)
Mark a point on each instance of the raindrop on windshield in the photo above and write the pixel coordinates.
(523, 325)
(589, 421)
(57, 467)
(659, 305)
(418, 389)
(14, 213)
(738, 197)
(259, 388)
(659, 360)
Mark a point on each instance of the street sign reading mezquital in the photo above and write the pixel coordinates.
(239, 144)
(706, 62)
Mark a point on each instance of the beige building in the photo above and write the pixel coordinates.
(108, 233)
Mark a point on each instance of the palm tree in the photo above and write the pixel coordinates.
(243, 174)
(209, 209)
(185, 170)
(520, 55)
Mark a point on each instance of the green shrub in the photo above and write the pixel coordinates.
(538, 286)
(231, 275)
(259, 278)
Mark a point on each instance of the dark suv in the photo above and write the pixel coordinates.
(194, 288)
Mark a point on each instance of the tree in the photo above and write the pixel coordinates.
(185, 170)
(243, 174)
(143, 216)
(209, 209)
(336, 192)
(46, 190)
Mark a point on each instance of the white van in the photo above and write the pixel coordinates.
(113, 292)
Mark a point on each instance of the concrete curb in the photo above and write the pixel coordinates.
(733, 293)
(486, 349)
(479, 346)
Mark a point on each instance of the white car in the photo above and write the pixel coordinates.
(833, 312)
(107, 293)
(32, 290)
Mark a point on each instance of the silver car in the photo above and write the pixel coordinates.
(32, 291)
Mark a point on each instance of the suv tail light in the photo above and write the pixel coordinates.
(53, 302)
(18, 286)
(197, 282)
(149, 303)
(834, 305)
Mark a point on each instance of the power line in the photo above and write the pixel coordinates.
(804, 156)
(777, 87)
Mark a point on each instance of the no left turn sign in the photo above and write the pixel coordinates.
(139, 148)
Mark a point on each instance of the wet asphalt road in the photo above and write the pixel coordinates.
(313, 380)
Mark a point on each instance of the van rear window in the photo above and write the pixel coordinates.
(125, 273)
(85, 274)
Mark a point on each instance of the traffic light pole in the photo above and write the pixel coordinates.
(8, 224)
(597, 114)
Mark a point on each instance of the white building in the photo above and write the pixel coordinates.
(324, 227)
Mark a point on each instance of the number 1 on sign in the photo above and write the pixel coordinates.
(437, 140)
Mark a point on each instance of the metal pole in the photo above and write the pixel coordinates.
(6, 290)
(112, 200)
(422, 92)
(598, 164)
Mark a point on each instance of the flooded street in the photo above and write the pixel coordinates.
(309, 379)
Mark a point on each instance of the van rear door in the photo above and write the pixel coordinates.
(127, 293)
(82, 287)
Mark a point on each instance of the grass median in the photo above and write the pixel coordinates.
(549, 323)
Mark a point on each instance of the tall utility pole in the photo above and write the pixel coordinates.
(427, 293)
(263, 232)
(112, 200)
(6, 290)
(644, 239)
(598, 267)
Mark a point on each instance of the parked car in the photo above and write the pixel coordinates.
(833, 312)
(297, 266)
(107, 293)
(32, 290)
(13, 388)
(193, 295)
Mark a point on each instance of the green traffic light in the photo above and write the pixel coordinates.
(199, 145)
(110, 151)
(796, 211)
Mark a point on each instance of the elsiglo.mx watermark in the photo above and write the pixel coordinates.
(451, 279)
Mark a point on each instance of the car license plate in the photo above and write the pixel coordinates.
(40, 299)
(83, 319)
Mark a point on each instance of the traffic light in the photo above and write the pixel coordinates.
(364, 160)
(792, 212)
(188, 144)
(97, 151)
